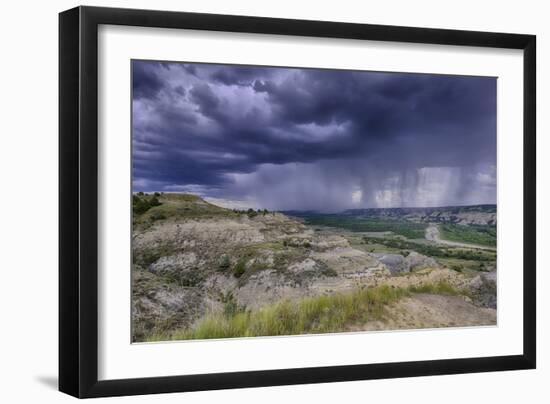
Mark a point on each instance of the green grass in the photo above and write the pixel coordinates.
(315, 315)
(174, 206)
(473, 234)
(467, 266)
(404, 228)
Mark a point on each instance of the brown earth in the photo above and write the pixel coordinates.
(432, 311)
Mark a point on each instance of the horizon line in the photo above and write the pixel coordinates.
(317, 210)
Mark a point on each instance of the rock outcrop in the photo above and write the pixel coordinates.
(398, 263)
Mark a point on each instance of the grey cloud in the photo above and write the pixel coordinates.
(211, 126)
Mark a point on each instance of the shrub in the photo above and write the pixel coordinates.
(224, 263)
(139, 206)
(239, 268)
(457, 267)
(157, 216)
(154, 202)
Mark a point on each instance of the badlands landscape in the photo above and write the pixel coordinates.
(203, 271)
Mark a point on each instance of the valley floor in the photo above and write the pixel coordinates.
(433, 234)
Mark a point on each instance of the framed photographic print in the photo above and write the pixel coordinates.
(251, 201)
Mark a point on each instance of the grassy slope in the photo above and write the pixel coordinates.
(481, 235)
(321, 314)
(174, 206)
(185, 205)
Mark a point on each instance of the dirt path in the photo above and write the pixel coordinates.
(432, 311)
(433, 234)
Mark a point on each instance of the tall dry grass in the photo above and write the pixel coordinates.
(314, 315)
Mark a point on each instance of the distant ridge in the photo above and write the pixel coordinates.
(485, 214)
(457, 208)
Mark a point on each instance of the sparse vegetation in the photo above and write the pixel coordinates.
(251, 212)
(321, 314)
(432, 250)
(466, 266)
(184, 278)
(440, 288)
(145, 257)
(297, 243)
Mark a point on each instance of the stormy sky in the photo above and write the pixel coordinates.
(312, 139)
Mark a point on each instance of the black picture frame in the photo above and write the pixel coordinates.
(78, 201)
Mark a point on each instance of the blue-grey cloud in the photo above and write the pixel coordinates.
(356, 138)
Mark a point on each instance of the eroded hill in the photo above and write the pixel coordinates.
(202, 271)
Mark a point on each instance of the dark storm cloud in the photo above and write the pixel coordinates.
(386, 138)
(205, 99)
(238, 75)
(146, 82)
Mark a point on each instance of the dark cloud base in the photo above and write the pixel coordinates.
(292, 138)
